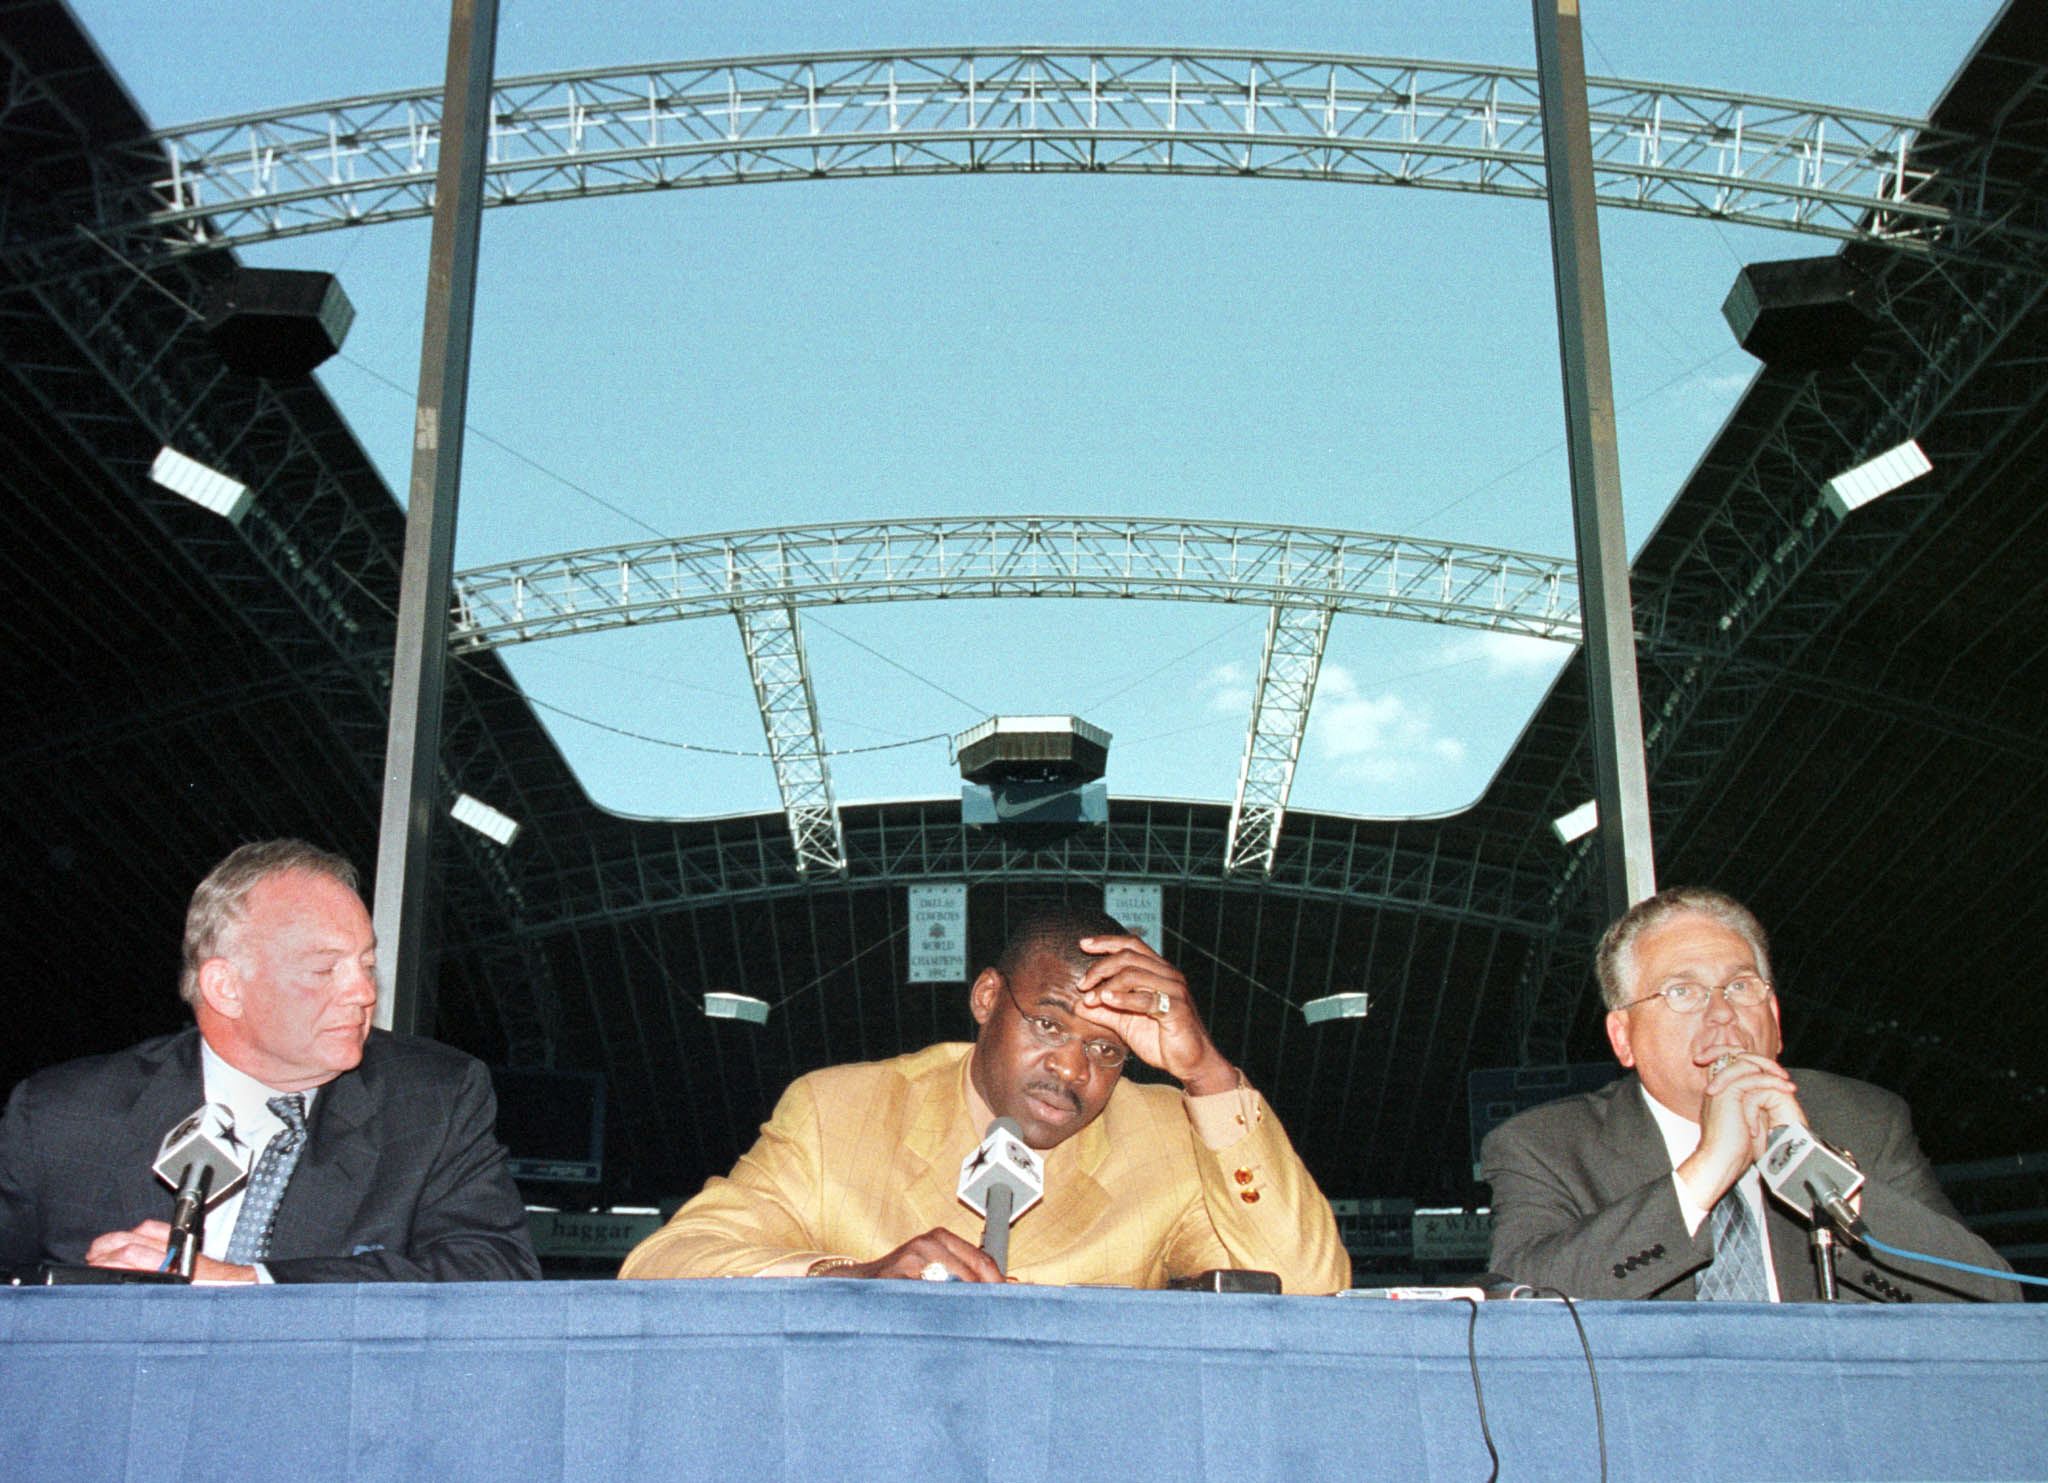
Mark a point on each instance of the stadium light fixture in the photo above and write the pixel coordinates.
(1857, 487)
(1345, 1006)
(207, 488)
(1579, 823)
(721, 1005)
(485, 820)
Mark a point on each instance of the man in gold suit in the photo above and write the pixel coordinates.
(854, 1175)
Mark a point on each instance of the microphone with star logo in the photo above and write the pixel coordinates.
(201, 1159)
(999, 1181)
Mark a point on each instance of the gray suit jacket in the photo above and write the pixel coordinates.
(1583, 1201)
(402, 1177)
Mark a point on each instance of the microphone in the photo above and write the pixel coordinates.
(197, 1160)
(999, 1181)
(1809, 1176)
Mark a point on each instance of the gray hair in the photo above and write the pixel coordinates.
(218, 900)
(1615, 959)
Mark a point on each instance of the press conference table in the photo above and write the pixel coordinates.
(916, 1381)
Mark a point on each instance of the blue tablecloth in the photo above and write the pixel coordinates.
(918, 1382)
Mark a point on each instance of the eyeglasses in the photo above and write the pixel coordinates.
(1049, 1033)
(1744, 991)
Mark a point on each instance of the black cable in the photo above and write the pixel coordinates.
(1478, 1392)
(1592, 1374)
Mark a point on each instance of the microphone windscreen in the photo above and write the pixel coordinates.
(1003, 1157)
(205, 1140)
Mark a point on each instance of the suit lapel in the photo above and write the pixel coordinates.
(1075, 1197)
(337, 1166)
(1632, 1149)
(169, 1089)
(1633, 1153)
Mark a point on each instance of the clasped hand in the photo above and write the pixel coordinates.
(1743, 1101)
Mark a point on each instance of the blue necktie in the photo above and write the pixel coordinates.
(1736, 1274)
(251, 1241)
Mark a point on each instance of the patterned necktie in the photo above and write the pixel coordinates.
(1736, 1274)
(251, 1241)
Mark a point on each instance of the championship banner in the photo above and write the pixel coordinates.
(1138, 907)
(938, 934)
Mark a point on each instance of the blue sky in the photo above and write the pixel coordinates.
(1356, 357)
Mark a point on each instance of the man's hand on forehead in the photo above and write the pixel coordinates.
(1130, 989)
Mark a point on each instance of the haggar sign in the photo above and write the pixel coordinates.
(938, 934)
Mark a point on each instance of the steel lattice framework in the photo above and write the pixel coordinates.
(1293, 658)
(1350, 572)
(1773, 162)
(789, 719)
(762, 577)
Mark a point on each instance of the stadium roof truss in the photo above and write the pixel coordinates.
(1772, 162)
(762, 577)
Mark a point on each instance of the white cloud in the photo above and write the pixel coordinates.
(1507, 653)
(1375, 738)
(1227, 689)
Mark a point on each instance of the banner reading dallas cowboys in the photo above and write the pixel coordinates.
(938, 934)
(1138, 908)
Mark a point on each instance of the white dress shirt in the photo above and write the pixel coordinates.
(255, 1125)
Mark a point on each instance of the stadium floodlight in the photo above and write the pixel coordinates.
(721, 1005)
(207, 488)
(1346, 1006)
(1857, 487)
(485, 820)
(1579, 823)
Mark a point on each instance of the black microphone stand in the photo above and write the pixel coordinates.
(188, 1219)
(1821, 1237)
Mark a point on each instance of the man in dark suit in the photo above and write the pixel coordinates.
(386, 1152)
(1648, 1188)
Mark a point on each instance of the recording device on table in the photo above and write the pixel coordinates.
(1228, 1279)
(1481, 1287)
(197, 1160)
(999, 1181)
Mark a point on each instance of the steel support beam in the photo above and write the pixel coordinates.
(1802, 167)
(1351, 572)
(1295, 637)
(1621, 778)
(420, 656)
(789, 718)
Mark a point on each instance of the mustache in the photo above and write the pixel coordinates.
(1053, 1091)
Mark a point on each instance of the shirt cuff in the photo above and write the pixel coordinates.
(793, 1266)
(1691, 1213)
(1225, 1117)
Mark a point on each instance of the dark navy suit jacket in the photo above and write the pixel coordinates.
(1583, 1201)
(402, 1177)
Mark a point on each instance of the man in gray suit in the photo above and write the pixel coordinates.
(1648, 1188)
(394, 1171)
